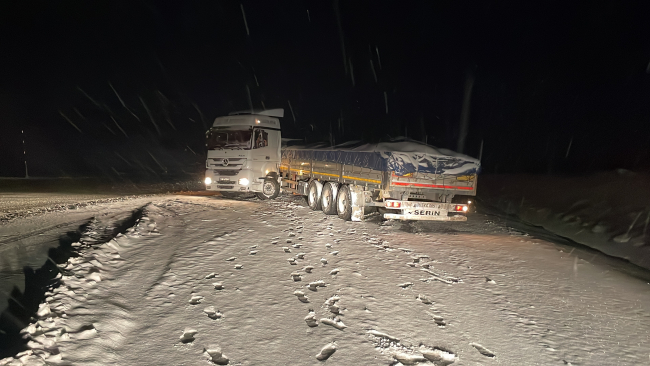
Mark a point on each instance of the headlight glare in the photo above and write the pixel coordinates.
(208, 181)
(243, 181)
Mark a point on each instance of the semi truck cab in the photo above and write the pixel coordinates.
(244, 153)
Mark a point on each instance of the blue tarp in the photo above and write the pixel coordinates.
(435, 161)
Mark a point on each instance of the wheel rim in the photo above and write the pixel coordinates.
(268, 189)
(343, 202)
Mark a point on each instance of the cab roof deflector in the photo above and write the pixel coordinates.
(278, 112)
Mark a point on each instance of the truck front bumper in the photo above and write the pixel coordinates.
(232, 183)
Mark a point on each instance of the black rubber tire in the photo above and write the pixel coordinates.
(313, 199)
(270, 189)
(328, 200)
(344, 203)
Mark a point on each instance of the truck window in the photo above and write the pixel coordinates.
(218, 138)
(260, 138)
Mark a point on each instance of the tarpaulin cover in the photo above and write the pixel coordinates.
(400, 157)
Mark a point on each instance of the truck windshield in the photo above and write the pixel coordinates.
(218, 138)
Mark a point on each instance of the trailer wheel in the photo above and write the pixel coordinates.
(328, 198)
(344, 203)
(270, 189)
(313, 199)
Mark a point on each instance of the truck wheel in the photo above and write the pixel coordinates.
(313, 199)
(344, 203)
(328, 198)
(270, 189)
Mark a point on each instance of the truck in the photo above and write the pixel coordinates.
(400, 179)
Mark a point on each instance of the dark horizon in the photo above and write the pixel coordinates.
(558, 88)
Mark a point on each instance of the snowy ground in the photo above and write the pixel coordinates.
(273, 283)
(608, 211)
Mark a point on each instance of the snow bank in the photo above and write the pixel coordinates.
(608, 211)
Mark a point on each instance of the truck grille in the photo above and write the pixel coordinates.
(225, 172)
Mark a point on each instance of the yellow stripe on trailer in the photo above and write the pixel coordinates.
(336, 175)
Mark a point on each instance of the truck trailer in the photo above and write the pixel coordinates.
(403, 179)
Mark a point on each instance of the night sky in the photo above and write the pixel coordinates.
(126, 89)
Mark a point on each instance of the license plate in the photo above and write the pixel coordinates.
(425, 212)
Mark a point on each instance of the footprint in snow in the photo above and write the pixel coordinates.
(211, 275)
(296, 276)
(326, 352)
(328, 245)
(314, 285)
(439, 357)
(231, 259)
(334, 309)
(301, 296)
(408, 359)
(218, 286)
(405, 284)
(212, 313)
(334, 271)
(215, 355)
(490, 281)
(188, 335)
(300, 255)
(336, 323)
(482, 350)
(334, 252)
(323, 260)
(308, 269)
(292, 261)
(424, 299)
(311, 320)
(253, 252)
(195, 299)
(286, 249)
(297, 245)
(239, 266)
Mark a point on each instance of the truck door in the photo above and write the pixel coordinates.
(266, 144)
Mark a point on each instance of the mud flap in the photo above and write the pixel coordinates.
(358, 197)
(302, 188)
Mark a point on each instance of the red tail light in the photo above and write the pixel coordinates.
(461, 208)
(393, 204)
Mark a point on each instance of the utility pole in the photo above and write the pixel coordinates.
(464, 114)
(24, 154)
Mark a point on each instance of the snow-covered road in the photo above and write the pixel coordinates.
(274, 283)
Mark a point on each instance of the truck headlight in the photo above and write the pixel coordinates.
(208, 181)
(243, 181)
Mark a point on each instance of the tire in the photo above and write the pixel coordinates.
(344, 203)
(313, 199)
(328, 198)
(270, 189)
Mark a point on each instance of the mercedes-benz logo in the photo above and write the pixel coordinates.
(225, 162)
